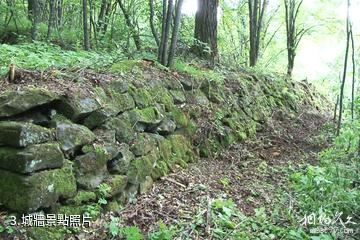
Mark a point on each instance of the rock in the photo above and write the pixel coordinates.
(99, 116)
(15, 102)
(77, 108)
(189, 83)
(90, 168)
(182, 152)
(104, 135)
(146, 185)
(166, 127)
(161, 169)
(141, 167)
(148, 117)
(119, 86)
(122, 102)
(73, 136)
(129, 194)
(32, 158)
(121, 163)
(197, 97)
(117, 184)
(123, 128)
(82, 197)
(110, 150)
(179, 117)
(142, 97)
(21, 134)
(25, 194)
(178, 96)
(164, 98)
(142, 144)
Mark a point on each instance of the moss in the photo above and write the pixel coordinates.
(141, 167)
(163, 96)
(83, 197)
(161, 169)
(125, 66)
(113, 206)
(46, 233)
(122, 126)
(182, 152)
(142, 144)
(117, 184)
(147, 118)
(28, 193)
(142, 97)
(179, 117)
(15, 102)
(71, 210)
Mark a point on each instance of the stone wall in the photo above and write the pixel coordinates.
(58, 147)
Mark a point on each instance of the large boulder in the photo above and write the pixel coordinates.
(22, 134)
(24, 194)
(124, 131)
(32, 158)
(73, 136)
(16, 102)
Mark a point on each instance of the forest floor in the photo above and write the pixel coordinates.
(254, 174)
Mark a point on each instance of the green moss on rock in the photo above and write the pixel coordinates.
(28, 193)
(22, 134)
(32, 158)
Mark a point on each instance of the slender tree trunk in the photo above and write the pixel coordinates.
(51, 18)
(152, 24)
(353, 74)
(163, 24)
(34, 15)
(85, 27)
(206, 28)
(59, 13)
(134, 32)
(175, 33)
(345, 69)
(167, 32)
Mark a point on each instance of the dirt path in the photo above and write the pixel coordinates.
(250, 173)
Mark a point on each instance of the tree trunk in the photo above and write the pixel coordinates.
(34, 14)
(152, 24)
(134, 32)
(168, 21)
(175, 33)
(51, 18)
(85, 27)
(206, 28)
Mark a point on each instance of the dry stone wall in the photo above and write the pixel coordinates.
(56, 149)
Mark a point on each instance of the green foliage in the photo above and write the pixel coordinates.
(42, 56)
(132, 233)
(113, 226)
(164, 232)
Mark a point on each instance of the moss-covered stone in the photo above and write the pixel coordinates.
(91, 169)
(142, 144)
(149, 117)
(123, 128)
(118, 86)
(180, 118)
(16, 102)
(28, 193)
(32, 158)
(163, 96)
(98, 117)
(121, 163)
(178, 95)
(122, 102)
(161, 169)
(166, 127)
(73, 136)
(82, 197)
(46, 233)
(22, 134)
(142, 97)
(141, 167)
(76, 107)
(113, 206)
(104, 135)
(197, 97)
(146, 185)
(182, 152)
(117, 184)
(125, 66)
